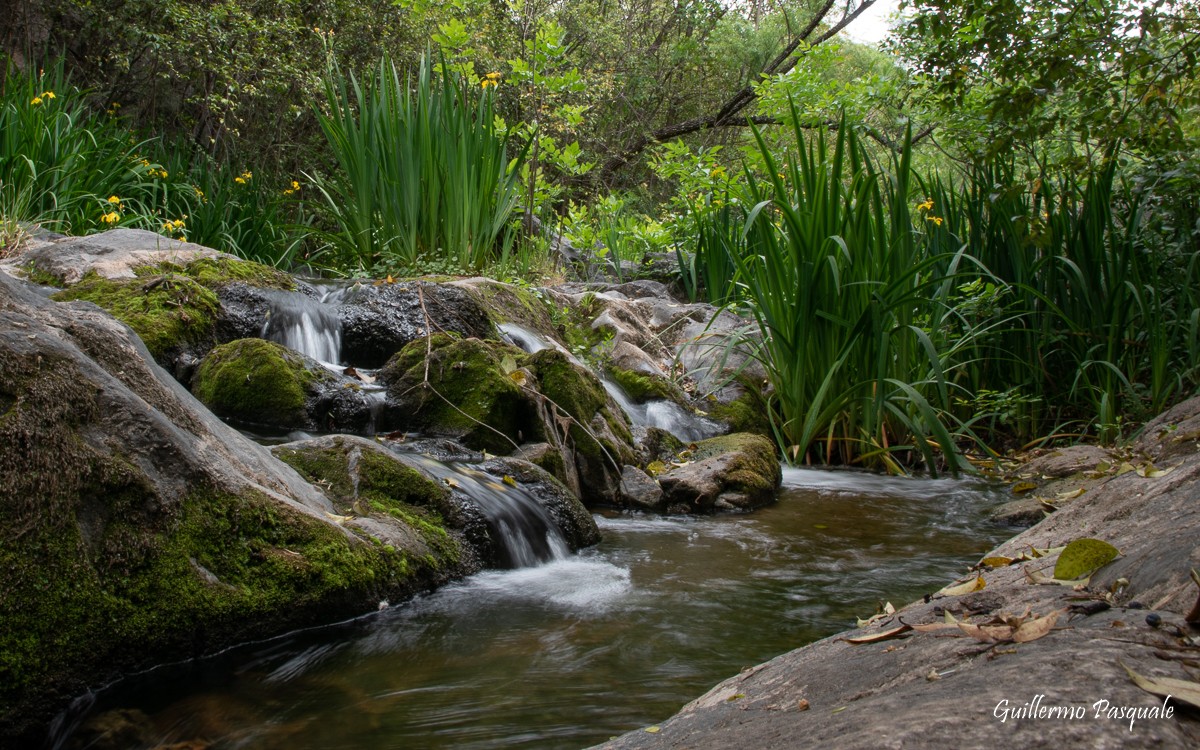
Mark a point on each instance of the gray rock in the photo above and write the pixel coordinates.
(638, 489)
(731, 472)
(946, 690)
(112, 254)
(1024, 512)
(1063, 462)
(377, 321)
(137, 528)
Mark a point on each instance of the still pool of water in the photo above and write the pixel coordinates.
(578, 650)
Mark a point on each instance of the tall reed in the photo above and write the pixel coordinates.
(422, 172)
(850, 307)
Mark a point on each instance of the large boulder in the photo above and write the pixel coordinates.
(458, 388)
(137, 528)
(115, 254)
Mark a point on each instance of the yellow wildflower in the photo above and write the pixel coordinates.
(35, 101)
(926, 206)
(295, 188)
(48, 94)
(240, 180)
(491, 79)
(937, 220)
(114, 199)
(111, 218)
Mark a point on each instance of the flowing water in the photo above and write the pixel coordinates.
(571, 651)
(305, 325)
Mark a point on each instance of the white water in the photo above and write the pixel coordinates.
(307, 326)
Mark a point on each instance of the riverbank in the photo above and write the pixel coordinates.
(954, 687)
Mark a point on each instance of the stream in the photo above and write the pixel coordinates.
(570, 652)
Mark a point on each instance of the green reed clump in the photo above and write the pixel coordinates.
(852, 307)
(422, 173)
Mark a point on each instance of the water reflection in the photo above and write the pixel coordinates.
(582, 648)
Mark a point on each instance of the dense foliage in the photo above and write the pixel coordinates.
(988, 232)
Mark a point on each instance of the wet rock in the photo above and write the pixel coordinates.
(260, 382)
(581, 418)
(385, 495)
(137, 528)
(458, 389)
(1024, 512)
(119, 729)
(572, 518)
(638, 489)
(547, 457)
(380, 320)
(731, 472)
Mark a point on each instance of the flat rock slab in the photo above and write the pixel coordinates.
(112, 254)
(946, 689)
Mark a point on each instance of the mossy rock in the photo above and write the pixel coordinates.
(746, 413)
(511, 303)
(105, 565)
(258, 381)
(468, 396)
(642, 387)
(598, 440)
(364, 479)
(172, 307)
(168, 311)
(730, 472)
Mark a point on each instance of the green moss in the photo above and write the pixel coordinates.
(37, 275)
(756, 468)
(581, 394)
(256, 381)
(641, 387)
(525, 306)
(746, 413)
(167, 305)
(468, 395)
(165, 310)
(216, 272)
(102, 572)
(364, 480)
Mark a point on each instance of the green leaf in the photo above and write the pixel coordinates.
(1083, 557)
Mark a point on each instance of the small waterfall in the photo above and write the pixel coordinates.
(306, 326)
(523, 338)
(526, 531)
(663, 414)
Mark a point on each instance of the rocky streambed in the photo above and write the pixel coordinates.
(137, 526)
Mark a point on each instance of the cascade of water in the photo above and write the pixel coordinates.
(526, 531)
(306, 326)
(663, 414)
(523, 338)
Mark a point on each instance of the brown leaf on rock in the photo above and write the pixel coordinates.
(880, 636)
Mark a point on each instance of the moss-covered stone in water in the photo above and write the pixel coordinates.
(468, 397)
(757, 470)
(580, 394)
(641, 387)
(165, 310)
(365, 480)
(256, 381)
(101, 570)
